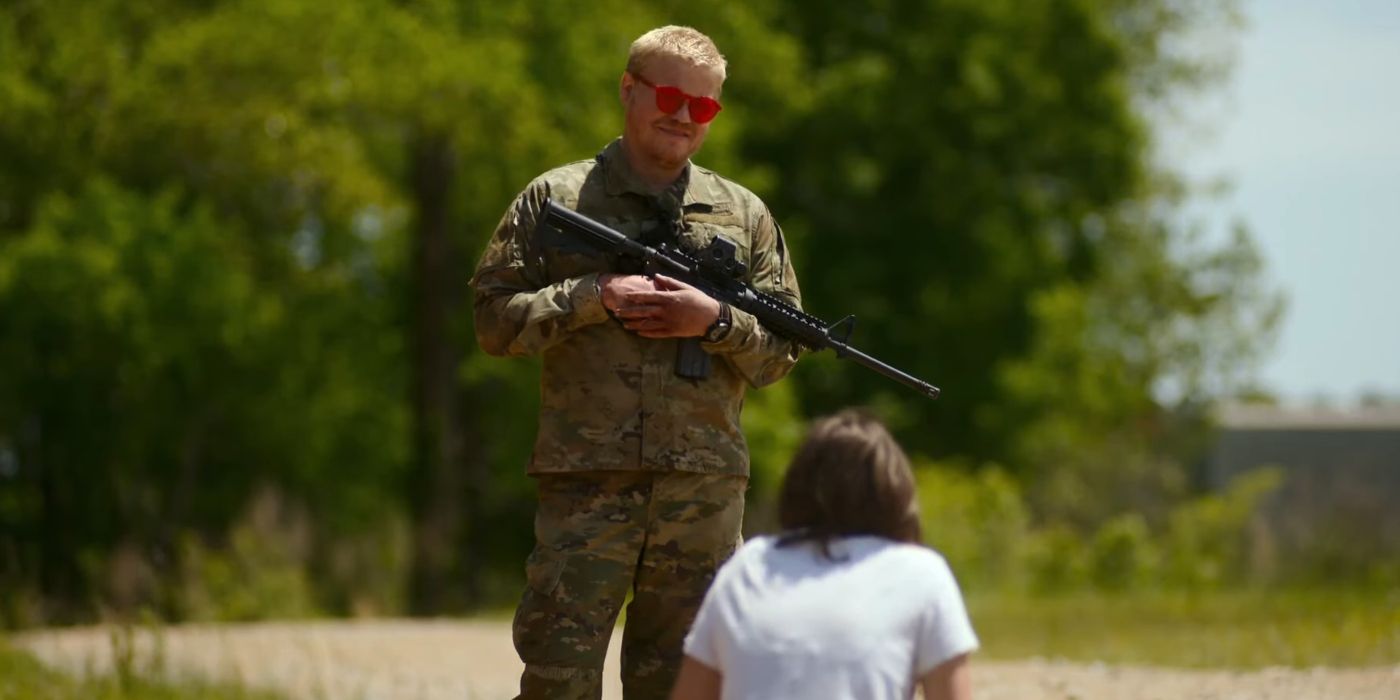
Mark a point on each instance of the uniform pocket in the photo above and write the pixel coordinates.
(542, 570)
(698, 236)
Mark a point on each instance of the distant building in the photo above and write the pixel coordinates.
(1339, 504)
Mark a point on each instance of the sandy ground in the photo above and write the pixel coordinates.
(417, 660)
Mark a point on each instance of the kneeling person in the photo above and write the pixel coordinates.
(845, 603)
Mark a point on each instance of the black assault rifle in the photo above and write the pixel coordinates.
(718, 273)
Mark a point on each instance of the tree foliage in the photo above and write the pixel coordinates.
(235, 237)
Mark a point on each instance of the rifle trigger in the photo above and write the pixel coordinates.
(850, 326)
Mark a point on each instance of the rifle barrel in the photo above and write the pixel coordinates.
(845, 351)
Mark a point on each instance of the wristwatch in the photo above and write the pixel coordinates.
(720, 327)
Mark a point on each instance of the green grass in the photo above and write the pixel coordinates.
(22, 677)
(1238, 630)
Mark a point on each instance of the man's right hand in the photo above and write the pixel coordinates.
(617, 287)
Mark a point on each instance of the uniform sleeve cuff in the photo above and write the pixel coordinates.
(742, 325)
(587, 300)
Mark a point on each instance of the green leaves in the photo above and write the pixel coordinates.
(209, 213)
(973, 181)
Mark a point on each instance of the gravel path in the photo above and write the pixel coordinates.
(417, 660)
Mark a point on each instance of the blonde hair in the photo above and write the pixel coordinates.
(682, 42)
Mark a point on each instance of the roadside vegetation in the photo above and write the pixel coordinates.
(1238, 630)
(23, 677)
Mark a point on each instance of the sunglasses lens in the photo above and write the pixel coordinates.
(703, 109)
(669, 99)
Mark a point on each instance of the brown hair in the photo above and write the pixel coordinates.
(849, 477)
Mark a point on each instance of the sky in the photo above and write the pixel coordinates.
(1307, 133)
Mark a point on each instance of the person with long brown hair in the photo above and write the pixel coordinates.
(845, 602)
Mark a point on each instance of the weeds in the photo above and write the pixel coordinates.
(134, 675)
(1234, 629)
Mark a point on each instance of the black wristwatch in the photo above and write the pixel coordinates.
(720, 327)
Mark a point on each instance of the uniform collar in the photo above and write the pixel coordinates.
(620, 178)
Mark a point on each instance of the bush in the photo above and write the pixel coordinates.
(1056, 560)
(978, 521)
(262, 574)
(981, 522)
(773, 429)
(1208, 543)
(1122, 556)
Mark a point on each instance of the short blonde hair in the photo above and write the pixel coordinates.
(682, 42)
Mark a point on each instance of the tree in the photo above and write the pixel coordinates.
(985, 193)
(235, 239)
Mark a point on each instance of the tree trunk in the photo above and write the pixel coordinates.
(441, 580)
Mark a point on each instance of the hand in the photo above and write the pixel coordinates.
(673, 310)
(615, 287)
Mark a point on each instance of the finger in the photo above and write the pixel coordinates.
(650, 328)
(654, 298)
(638, 312)
(670, 283)
(640, 284)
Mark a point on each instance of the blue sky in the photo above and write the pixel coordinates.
(1307, 131)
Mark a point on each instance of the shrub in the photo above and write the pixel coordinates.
(1056, 560)
(261, 574)
(1122, 556)
(1208, 542)
(978, 521)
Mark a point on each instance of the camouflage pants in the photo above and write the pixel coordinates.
(599, 534)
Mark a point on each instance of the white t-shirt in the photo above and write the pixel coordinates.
(785, 622)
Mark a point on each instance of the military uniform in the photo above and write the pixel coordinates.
(640, 472)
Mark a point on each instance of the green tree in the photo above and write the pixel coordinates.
(976, 182)
(147, 361)
(235, 237)
(356, 156)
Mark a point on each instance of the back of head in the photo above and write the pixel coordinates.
(849, 477)
(680, 42)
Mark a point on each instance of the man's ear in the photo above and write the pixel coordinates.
(625, 86)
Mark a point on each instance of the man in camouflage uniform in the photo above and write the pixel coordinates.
(641, 473)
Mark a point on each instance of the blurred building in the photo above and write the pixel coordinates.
(1339, 503)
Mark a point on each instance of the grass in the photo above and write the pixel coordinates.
(22, 677)
(1235, 630)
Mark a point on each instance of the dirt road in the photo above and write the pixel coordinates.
(416, 660)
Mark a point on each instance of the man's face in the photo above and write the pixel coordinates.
(666, 141)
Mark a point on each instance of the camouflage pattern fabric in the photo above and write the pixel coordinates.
(594, 533)
(610, 399)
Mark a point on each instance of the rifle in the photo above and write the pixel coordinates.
(716, 272)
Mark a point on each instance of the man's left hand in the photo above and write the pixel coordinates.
(674, 310)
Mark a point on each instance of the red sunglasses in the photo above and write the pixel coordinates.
(669, 99)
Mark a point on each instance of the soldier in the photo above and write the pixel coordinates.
(640, 472)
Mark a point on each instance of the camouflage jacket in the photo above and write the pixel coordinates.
(610, 399)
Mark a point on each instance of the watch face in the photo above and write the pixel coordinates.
(720, 327)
